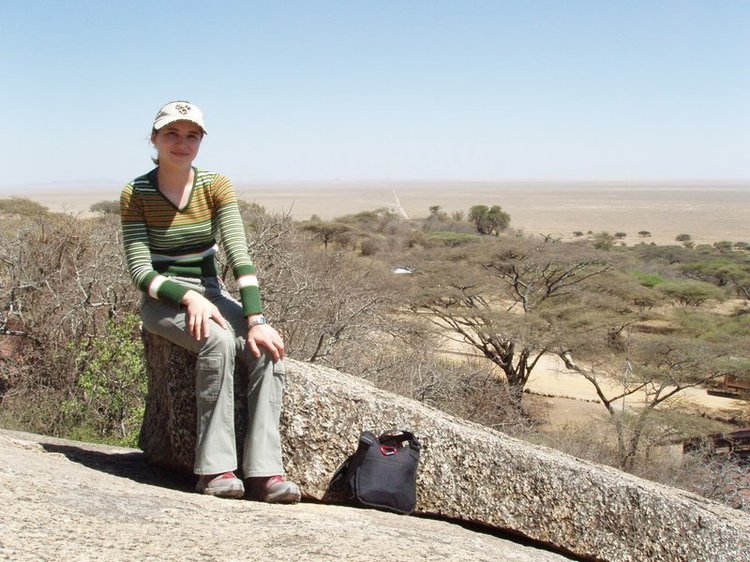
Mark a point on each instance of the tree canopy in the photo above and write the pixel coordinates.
(489, 220)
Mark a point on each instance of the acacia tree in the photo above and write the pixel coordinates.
(496, 298)
(328, 231)
(489, 220)
(537, 271)
(690, 293)
(725, 270)
(636, 373)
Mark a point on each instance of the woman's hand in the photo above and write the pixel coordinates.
(263, 335)
(200, 312)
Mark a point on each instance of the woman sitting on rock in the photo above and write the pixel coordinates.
(172, 218)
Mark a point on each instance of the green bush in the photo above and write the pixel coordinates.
(450, 239)
(691, 293)
(649, 279)
(603, 241)
(109, 401)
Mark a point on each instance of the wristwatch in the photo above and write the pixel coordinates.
(257, 321)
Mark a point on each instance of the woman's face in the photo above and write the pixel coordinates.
(177, 144)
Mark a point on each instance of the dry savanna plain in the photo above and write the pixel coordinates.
(708, 211)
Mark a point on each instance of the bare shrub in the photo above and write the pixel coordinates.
(402, 356)
(721, 479)
(465, 388)
(23, 207)
(106, 207)
(591, 441)
(322, 301)
(34, 409)
(62, 278)
(371, 246)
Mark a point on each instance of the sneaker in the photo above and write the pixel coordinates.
(225, 485)
(274, 489)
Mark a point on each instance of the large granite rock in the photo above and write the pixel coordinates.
(72, 501)
(467, 471)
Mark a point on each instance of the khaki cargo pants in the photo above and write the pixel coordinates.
(216, 450)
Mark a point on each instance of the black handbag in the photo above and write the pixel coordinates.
(382, 473)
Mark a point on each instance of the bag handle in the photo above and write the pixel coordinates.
(400, 435)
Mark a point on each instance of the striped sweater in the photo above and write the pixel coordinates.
(162, 241)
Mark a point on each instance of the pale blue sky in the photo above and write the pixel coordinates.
(401, 90)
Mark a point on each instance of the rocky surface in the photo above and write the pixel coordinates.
(64, 500)
(468, 472)
(472, 473)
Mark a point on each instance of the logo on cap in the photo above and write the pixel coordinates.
(184, 109)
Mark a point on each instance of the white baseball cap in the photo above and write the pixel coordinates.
(179, 111)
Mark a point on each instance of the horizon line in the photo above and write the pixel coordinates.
(99, 183)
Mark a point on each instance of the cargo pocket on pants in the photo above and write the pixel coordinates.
(279, 379)
(208, 375)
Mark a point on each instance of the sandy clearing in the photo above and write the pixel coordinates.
(570, 398)
(551, 378)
